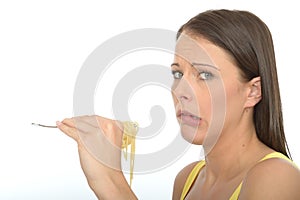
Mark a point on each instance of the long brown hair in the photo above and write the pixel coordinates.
(248, 40)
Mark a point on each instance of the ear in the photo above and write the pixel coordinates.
(253, 92)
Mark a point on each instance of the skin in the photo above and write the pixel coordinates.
(235, 155)
(105, 181)
(232, 149)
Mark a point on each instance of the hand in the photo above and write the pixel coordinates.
(99, 144)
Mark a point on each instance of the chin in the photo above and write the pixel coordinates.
(192, 135)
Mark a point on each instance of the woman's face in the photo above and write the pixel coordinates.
(207, 90)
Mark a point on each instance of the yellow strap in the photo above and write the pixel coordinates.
(191, 178)
(236, 193)
(275, 155)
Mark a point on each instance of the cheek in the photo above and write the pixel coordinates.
(175, 100)
(173, 93)
(211, 101)
(203, 98)
(235, 95)
(234, 102)
(215, 111)
(204, 105)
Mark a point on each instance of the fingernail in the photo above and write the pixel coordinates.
(58, 123)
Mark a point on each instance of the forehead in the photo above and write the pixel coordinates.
(200, 50)
(192, 51)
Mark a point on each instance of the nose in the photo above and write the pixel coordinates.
(183, 90)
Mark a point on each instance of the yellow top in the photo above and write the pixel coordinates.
(194, 173)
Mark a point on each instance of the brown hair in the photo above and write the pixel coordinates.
(248, 40)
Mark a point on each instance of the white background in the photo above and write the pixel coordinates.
(42, 47)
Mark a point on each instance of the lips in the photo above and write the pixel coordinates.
(188, 118)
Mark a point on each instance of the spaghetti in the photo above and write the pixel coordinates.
(129, 132)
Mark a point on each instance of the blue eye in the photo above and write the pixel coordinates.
(205, 75)
(177, 74)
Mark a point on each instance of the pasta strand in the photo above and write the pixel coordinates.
(129, 132)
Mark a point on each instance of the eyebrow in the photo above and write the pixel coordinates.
(201, 64)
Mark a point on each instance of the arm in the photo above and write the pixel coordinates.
(103, 169)
(272, 179)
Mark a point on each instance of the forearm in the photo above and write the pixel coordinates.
(101, 165)
(114, 186)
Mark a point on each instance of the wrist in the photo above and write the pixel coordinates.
(112, 186)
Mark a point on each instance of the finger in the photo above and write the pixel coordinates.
(83, 123)
(69, 122)
(87, 125)
(110, 127)
(88, 133)
(100, 127)
(80, 127)
(88, 120)
(68, 130)
(72, 122)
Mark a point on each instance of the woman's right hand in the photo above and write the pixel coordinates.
(99, 145)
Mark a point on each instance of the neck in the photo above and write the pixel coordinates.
(235, 151)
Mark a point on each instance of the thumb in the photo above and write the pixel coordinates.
(68, 130)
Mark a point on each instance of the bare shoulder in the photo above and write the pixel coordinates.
(181, 179)
(272, 179)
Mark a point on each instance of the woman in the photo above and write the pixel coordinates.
(246, 155)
